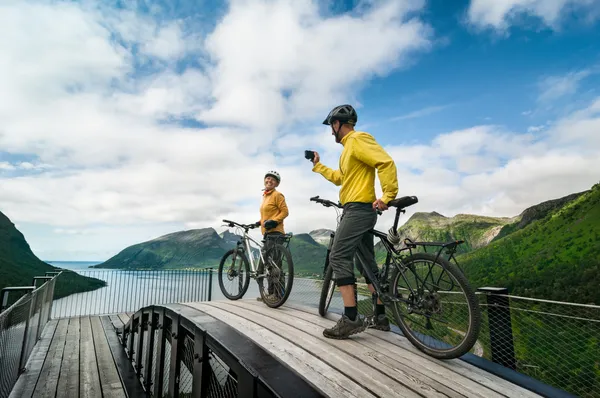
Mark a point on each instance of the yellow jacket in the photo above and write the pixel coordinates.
(273, 207)
(359, 159)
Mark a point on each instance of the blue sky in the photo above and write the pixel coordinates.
(123, 121)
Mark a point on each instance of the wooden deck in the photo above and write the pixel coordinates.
(75, 358)
(370, 364)
(81, 357)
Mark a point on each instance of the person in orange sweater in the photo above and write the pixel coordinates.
(273, 210)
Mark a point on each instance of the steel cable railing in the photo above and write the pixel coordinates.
(556, 343)
(128, 291)
(21, 325)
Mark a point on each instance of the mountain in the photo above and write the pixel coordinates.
(230, 239)
(555, 256)
(18, 265)
(191, 248)
(534, 213)
(476, 231)
(321, 236)
(307, 254)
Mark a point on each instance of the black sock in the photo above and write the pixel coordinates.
(379, 309)
(351, 312)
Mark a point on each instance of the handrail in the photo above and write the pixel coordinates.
(21, 326)
(206, 357)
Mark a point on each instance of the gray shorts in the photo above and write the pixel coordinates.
(351, 236)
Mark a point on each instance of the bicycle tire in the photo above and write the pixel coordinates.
(326, 291)
(246, 282)
(472, 334)
(290, 281)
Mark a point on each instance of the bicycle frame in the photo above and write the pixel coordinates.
(381, 289)
(245, 243)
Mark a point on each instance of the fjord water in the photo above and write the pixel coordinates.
(128, 291)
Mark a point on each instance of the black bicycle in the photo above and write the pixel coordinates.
(439, 321)
(271, 263)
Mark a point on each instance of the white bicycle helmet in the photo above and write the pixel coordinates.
(273, 174)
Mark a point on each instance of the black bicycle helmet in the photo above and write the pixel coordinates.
(344, 113)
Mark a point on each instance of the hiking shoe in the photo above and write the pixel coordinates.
(345, 327)
(379, 322)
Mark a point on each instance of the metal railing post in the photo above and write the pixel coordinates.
(177, 335)
(138, 351)
(210, 273)
(5, 291)
(157, 388)
(201, 372)
(500, 326)
(150, 326)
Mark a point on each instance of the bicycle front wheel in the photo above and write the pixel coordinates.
(276, 278)
(327, 291)
(436, 308)
(234, 271)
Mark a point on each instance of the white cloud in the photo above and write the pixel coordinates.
(554, 87)
(535, 129)
(93, 91)
(421, 112)
(89, 95)
(500, 14)
(485, 170)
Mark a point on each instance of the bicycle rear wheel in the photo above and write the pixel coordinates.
(438, 312)
(239, 268)
(275, 280)
(327, 291)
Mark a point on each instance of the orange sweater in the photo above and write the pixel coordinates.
(273, 207)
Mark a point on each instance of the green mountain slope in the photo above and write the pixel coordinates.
(192, 248)
(476, 231)
(535, 213)
(307, 254)
(556, 257)
(18, 265)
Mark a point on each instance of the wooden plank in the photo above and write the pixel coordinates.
(116, 321)
(89, 381)
(359, 369)
(428, 367)
(378, 360)
(48, 381)
(131, 383)
(68, 382)
(399, 345)
(323, 376)
(124, 318)
(110, 382)
(26, 383)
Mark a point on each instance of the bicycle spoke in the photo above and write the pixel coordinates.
(436, 318)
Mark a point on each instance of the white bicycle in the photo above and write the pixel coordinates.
(273, 264)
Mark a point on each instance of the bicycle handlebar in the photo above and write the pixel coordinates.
(245, 226)
(329, 203)
(325, 202)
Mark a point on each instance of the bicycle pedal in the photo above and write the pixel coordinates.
(370, 321)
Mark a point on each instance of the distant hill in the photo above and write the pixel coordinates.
(18, 265)
(307, 254)
(555, 255)
(476, 231)
(192, 248)
(321, 236)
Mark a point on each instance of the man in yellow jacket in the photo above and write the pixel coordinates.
(361, 156)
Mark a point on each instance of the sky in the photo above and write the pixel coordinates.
(121, 121)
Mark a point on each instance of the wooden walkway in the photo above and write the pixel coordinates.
(75, 357)
(370, 364)
(82, 357)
